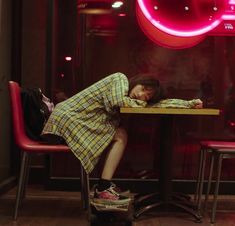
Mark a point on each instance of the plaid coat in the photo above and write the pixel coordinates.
(88, 120)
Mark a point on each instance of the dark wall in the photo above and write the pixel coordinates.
(5, 75)
(34, 18)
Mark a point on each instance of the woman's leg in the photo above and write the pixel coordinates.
(115, 153)
(106, 192)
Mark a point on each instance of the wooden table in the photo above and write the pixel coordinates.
(170, 111)
(165, 195)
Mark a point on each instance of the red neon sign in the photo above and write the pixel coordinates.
(181, 24)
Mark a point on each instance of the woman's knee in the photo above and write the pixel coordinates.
(121, 135)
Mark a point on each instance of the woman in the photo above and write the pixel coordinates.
(89, 123)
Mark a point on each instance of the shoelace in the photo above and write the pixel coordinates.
(111, 189)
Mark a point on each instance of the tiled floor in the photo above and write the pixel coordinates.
(55, 208)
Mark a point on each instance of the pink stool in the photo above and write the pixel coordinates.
(218, 150)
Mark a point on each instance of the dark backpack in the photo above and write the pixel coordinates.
(35, 112)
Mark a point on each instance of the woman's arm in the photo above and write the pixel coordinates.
(118, 93)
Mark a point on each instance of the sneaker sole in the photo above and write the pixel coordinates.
(111, 202)
(102, 207)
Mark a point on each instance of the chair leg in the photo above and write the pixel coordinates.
(88, 201)
(26, 178)
(209, 181)
(220, 158)
(82, 181)
(21, 183)
(85, 192)
(85, 189)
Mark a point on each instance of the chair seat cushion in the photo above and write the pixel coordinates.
(43, 147)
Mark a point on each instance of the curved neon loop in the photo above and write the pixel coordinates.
(164, 39)
(179, 33)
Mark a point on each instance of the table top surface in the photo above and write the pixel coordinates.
(170, 111)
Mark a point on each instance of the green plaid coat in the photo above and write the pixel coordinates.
(88, 120)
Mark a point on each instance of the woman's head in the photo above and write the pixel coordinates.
(146, 88)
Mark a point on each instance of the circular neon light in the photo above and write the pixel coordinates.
(162, 38)
(195, 27)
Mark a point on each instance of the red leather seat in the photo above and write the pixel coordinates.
(28, 147)
(218, 151)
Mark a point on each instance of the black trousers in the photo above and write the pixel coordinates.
(52, 139)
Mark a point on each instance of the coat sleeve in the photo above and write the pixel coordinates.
(117, 95)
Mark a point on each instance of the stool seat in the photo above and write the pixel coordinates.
(219, 145)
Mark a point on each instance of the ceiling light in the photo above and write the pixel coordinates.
(117, 4)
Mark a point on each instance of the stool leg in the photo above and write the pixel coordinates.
(201, 180)
(199, 176)
(220, 158)
(209, 181)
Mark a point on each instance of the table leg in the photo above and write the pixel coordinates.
(166, 197)
(166, 163)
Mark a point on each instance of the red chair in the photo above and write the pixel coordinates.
(30, 147)
(218, 150)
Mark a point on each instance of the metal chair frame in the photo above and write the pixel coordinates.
(30, 147)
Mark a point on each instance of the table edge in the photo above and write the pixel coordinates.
(175, 111)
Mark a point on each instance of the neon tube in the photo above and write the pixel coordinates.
(181, 33)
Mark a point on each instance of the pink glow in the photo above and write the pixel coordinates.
(232, 124)
(68, 58)
(121, 14)
(228, 17)
(201, 29)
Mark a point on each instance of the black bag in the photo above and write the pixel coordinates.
(35, 111)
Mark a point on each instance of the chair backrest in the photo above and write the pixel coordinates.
(17, 114)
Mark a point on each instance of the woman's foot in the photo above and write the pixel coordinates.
(110, 196)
